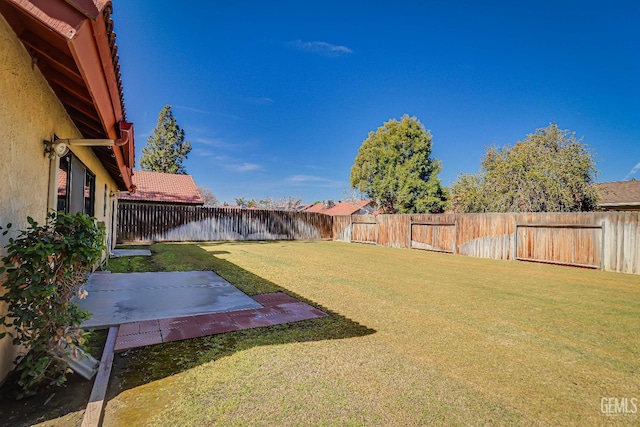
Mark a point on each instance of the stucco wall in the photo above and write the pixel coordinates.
(29, 114)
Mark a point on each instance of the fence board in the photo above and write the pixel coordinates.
(157, 223)
(564, 238)
(580, 241)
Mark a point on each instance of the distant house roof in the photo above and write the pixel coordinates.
(344, 208)
(619, 195)
(317, 208)
(303, 207)
(158, 187)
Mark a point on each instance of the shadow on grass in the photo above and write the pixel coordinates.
(65, 406)
(147, 364)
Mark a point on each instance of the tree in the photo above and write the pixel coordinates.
(289, 203)
(166, 148)
(394, 167)
(285, 203)
(550, 171)
(209, 198)
(243, 202)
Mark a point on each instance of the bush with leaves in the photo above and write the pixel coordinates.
(549, 171)
(46, 265)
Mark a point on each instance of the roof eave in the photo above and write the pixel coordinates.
(92, 53)
(84, 27)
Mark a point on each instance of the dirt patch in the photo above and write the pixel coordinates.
(60, 407)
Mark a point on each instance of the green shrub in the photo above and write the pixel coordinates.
(46, 266)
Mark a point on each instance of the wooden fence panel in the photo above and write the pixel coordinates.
(622, 242)
(608, 240)
(156, 223)
(393, 230)
(485, 235)
(434, 233)
(341, 228)
(364, 229)
(562, 238)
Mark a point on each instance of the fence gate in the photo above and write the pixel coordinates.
(433, 236)
(364, 232)
(580, 245)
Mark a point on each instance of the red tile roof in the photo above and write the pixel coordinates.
(161, 187)
(317, 208)
(619, 194)
(340, 208)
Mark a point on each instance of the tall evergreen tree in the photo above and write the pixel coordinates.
(166, 148)
(394, 166)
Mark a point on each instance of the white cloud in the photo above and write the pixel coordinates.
(193, 110)
(227, 162)
(202, 153)
(212, 142)
(634, 170)
(244, 167)
(311, 180)
(259, 100)
(320, 48)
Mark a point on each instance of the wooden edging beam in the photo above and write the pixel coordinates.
(93, 413)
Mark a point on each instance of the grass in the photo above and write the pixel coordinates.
(413, 338)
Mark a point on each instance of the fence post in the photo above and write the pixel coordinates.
(455, 236)
(410, 231)
(602, 249)
(351, 228)
(377, 228)
(515, 240)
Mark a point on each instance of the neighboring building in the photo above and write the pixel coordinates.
(59, 78)
(303, 207)
(619, 195)
(359, 207)
(163, 189)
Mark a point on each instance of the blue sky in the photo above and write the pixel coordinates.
(276, 97)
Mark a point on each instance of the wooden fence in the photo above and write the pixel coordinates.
(604, 240)
(159, 223)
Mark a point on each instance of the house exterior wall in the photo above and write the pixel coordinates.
(30, 113)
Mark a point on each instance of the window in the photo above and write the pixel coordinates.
(89, 193)
(104, 204)
(76, 186)
(63, 183)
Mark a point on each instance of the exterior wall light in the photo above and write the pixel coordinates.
(55, 148)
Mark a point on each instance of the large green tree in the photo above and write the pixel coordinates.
(166, 148)
(394, 166)
(549, 171)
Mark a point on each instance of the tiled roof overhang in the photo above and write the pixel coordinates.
(73, 44)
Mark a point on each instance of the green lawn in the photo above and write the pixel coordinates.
(413, 338)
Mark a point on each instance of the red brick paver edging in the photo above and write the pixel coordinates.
(277, 308)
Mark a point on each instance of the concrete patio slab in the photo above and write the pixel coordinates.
(116, 253)
(117, 298)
